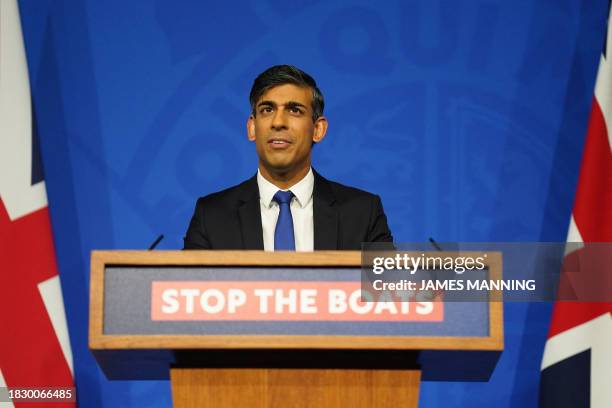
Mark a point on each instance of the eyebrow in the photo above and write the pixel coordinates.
(266, 103)
(290, 104)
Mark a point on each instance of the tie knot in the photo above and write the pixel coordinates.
(283, 197)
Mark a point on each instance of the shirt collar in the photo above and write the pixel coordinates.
(302, 190)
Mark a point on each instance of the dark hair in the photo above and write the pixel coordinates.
(286, 74)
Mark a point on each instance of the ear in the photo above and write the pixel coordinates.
(320, 129)
(251, 128)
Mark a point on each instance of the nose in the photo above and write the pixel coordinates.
(279, 121)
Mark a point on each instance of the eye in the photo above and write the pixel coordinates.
(265, 109)
(295, 110)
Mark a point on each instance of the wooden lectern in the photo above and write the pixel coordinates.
(262, 329)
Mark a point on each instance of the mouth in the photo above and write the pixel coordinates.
(277, 143)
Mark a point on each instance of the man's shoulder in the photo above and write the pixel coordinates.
(248, 189)
(344, 194)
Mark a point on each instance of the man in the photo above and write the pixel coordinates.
(287, 205)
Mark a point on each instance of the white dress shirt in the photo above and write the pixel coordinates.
(301, 212)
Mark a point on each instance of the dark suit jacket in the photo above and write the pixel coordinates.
(344, 217)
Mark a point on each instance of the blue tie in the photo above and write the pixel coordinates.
(283, 234)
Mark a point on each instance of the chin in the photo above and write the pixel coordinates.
(279, 165)
(280, 169)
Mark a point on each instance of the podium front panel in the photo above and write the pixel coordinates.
(224, 300)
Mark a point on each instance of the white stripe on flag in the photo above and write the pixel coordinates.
(51, 293)
(603, 85)
(19, 196)
(3, 384)
(573, 234)
(595, 335)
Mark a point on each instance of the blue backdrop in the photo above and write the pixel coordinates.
(467, 117)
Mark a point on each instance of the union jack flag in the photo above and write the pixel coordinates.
(577, 358)
(34, 345)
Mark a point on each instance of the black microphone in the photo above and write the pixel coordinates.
(435, 244)
(157, 241)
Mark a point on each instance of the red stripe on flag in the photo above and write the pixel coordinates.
(567, 315)
(593, 215)
(593, 205)
(30, 353)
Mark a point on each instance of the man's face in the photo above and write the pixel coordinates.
(283, 130)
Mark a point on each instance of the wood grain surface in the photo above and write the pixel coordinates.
(296, 388)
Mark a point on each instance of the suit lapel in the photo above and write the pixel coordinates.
(250, 216)
(325, 215)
